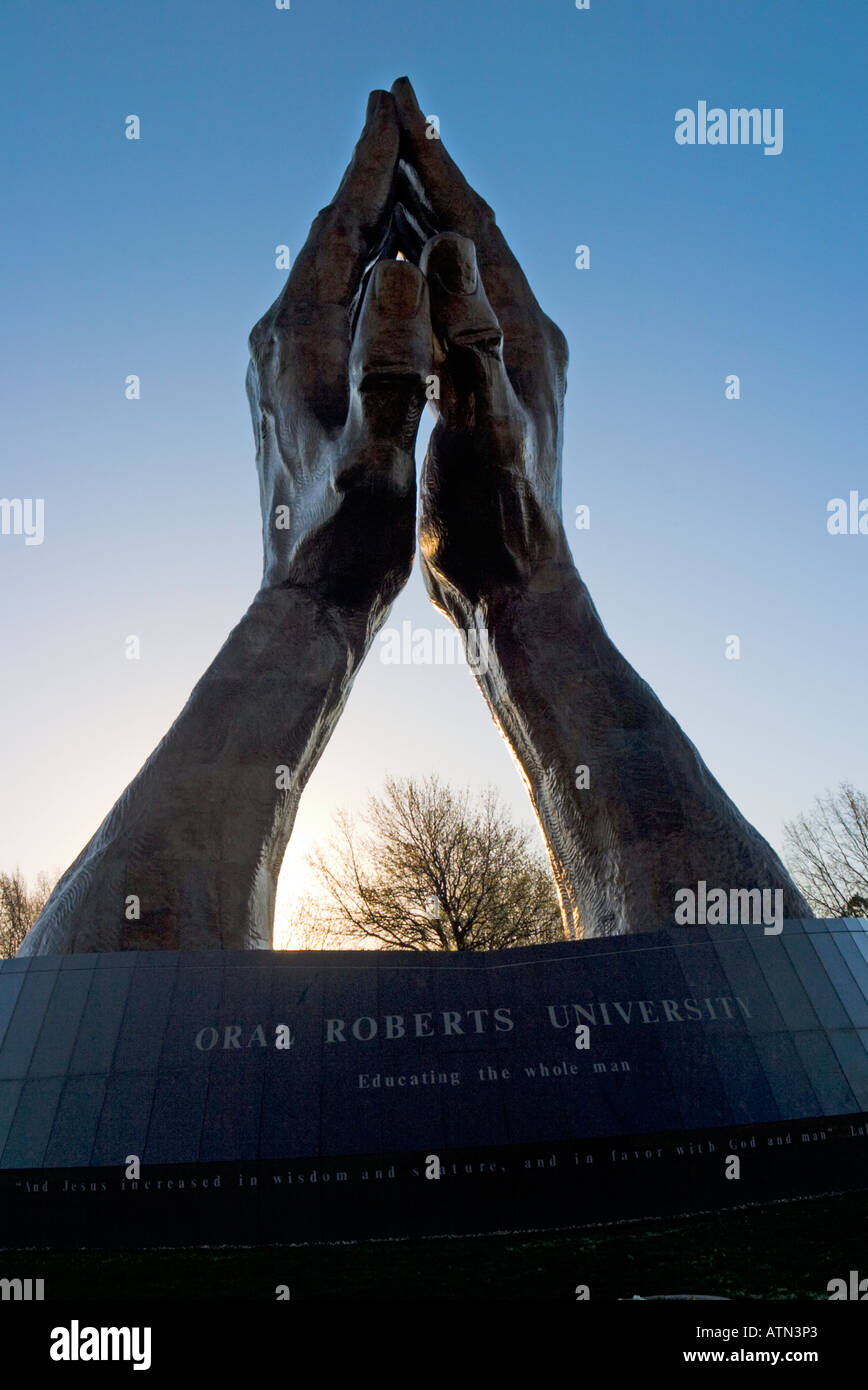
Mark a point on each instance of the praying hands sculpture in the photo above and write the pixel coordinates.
(190, 854)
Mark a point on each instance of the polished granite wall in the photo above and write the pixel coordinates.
(172, 1056)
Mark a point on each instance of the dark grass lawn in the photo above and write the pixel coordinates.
(789, 1250)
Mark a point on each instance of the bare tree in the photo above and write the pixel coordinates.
(19, 907)
(827, 852)
(309, 926)
(431, 871)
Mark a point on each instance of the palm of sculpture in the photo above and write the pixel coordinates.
(336, 387)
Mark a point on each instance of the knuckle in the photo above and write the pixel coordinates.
(260, 336)
(340, 227)
(557, 346)
(485, 214)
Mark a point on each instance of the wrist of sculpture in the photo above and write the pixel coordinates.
(546, 592)
(189, 855)
(630, 812)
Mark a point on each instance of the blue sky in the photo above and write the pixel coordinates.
(155, 257)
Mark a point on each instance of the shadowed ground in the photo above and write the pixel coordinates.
(787, 1251)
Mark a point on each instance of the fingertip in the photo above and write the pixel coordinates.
(461, 313)
(397, 288)
(378, 102)
(406, 100)
(403, 87)
(451, 258)
(393, 335)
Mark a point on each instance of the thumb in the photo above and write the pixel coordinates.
(390, 360)
(477, 390)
